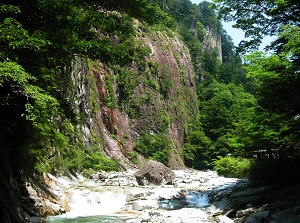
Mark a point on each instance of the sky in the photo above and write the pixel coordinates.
(237, 35)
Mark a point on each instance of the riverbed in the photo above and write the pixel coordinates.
(119, 199)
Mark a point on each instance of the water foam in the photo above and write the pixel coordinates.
(91, 203)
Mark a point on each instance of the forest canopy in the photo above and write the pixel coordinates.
(245, 105)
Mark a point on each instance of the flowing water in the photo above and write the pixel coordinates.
(87, 219)
(187, 199)
(107, 205)
(94, 203)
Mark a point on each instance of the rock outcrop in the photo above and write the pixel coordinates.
(162, 96)
(154, 173)
(259, 202)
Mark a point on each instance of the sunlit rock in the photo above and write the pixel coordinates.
(154, 173)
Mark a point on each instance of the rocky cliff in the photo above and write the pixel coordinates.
(154, 94)
(212, 41)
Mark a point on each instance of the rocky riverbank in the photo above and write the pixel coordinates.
(260, 202)
(194, 196)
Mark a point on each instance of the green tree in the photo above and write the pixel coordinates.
(197, 148)
(226, 113)
(275, 130)
(278, 89)
(259, 19)
(154, 146)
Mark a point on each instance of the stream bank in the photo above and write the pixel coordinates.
(194, 197)
(118, 196)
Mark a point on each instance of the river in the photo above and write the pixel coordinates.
(185, 202)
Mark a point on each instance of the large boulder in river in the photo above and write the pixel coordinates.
(154, 173)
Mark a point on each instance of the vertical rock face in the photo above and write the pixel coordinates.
(212, 41)
(75, 89)
(163, 97)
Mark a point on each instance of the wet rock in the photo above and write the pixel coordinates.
(245, 212)
(254, 195)
(100, 176)
(290, 214)
(154, 173)
(258, 217)
(35, 220)
(223, 204)
(125, 178)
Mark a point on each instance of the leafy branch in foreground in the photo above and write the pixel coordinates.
(259, 19)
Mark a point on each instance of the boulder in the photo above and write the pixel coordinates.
(154, 173)
(140, 205)
(257, 217)
(242, 213)
(288, 214)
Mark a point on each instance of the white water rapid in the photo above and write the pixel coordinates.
(184, 202)
(90, 203)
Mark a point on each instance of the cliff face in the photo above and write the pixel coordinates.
(212, 41)
(156, 93)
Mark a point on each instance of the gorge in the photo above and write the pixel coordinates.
(99, 88)
(106, 201)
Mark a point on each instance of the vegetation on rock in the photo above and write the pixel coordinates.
(70, 70)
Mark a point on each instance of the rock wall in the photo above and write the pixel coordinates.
(168, 62)
(212, 41)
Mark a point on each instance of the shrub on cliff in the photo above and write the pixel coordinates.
(154, 146)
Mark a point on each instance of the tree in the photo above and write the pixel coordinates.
(154, 146)
(197, 153)
(276, 75)
(226, 112)
(278, 85)
(259, 18)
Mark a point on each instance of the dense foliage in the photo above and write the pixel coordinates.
(274, 132)
(259, 19)
(233, 167)
(51, 33)
(38, 42)
(155, 146)
(39, 39)
(250, 111)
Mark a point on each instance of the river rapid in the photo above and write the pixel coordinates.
(118, 198)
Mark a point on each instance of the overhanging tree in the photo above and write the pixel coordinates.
(259, 18)
(276, 75)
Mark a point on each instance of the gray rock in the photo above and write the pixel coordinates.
(251, 192)
(288, 215)
(36, 220)
(241, 202)
(137, 195)
(141, 205)
(257, 217)
(100, 176)
(238, 220)
(245, 212)
(154, 173)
